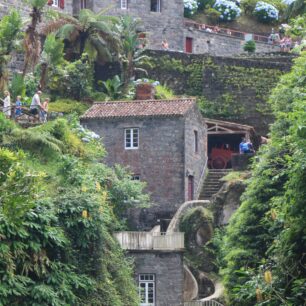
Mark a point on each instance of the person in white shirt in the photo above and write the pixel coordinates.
(7, 104)
(35, 106)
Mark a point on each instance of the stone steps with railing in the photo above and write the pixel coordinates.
(212, 183)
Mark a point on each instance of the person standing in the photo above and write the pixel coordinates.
(7, 104)
(44, 110)
(165, 45)
(35, 106)
(18, 105)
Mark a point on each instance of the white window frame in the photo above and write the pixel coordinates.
(136, 177)
(124, 4)
(132, 146)
(55, 3)
(146, 280)
(158, 9)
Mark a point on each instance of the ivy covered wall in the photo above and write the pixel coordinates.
(234, 89)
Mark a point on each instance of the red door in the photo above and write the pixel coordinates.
(190, 188)
(188, 45)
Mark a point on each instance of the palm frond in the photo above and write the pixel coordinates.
(54, 25)
(68, 31)
(34, 141)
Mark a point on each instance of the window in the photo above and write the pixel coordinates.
(196, 145)
(156, 6)
(135, 177)
(123, 4)
(131, 138)
(147, 289)
(83, 4)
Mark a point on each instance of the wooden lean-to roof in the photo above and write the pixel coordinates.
(139, 108)
(224, 127)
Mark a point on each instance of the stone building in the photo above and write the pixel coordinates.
(65, 6)
(158, 261)
(164, 144)
(160, 20)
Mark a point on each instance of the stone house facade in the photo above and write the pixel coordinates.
(164, 144)
(160, 20)
(65, 6)
(158, 266)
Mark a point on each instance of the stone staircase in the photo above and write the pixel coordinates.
(212, 183)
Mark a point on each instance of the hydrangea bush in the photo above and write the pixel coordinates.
(190, 7)
(265, 12)
(228, 9)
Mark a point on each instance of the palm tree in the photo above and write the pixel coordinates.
(52, 55)
(91, 33)
(131, 49)
(32, 45)
(9, 31)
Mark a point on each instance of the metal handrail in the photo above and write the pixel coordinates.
(202, 174)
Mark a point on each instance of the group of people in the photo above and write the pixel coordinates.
(210, 29)
(37, 108)
(284, 42)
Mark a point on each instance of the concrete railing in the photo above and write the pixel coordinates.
(150, 241)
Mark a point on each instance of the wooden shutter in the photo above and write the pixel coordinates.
(62, 4)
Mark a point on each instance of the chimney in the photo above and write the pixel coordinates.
(145, 91)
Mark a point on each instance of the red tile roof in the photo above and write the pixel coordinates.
(139, 108)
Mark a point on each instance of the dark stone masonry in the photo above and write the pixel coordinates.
(166, 157)
(167, 268)
(159, 20)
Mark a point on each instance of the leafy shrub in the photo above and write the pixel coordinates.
(265, 12)
(17, 87)
(212, 14)
(228, 9)
(162, 92)
(205, 4)
(248, 6)
(98, 96)
(68, 106)
(250, 46)
(190, 7)
(31, 84)
(112, 87)
(73, 80)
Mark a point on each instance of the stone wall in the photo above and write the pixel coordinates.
(159, 160)
(221, 44)
(164, 159)
(195, 161)
(24, 9)
(167, 24)
(230, 88)
(169, 274)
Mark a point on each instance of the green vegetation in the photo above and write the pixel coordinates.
(250, 46)
(9, 34)
(265, 260)
(68, 106)
(235, 81)
(58, 209)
